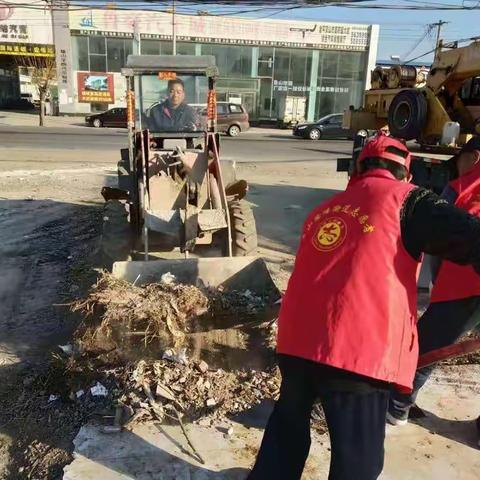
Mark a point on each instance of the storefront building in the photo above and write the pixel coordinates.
(261, 62)
(24, 34)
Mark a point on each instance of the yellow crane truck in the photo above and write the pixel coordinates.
(439, 108)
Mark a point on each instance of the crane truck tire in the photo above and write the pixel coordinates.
(244, 230)
(116, 234)
(407, 114)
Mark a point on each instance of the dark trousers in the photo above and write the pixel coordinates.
(442, 324)
(355, 412)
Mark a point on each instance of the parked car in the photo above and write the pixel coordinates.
(115, 117)
(232, 118)
(329, 126)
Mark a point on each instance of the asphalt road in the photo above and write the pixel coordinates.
(248, 147)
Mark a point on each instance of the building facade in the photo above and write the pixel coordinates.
(261, 62)
(24, 34)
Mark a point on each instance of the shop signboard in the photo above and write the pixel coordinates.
(224, 30)
(25, 25)
(26, 49)
(94, 87)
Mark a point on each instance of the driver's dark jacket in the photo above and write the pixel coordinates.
(164, 118)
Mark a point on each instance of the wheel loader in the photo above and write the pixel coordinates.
(178, 208)
(440, 108)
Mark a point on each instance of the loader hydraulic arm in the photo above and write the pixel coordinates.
(453, 65)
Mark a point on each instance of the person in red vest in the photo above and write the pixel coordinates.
(347, 324)
(455, 299)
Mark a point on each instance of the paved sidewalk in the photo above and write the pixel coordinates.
(30, 119)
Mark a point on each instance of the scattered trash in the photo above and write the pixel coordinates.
(202, 366)
(211, 402)
(99, 390)
(168, 279)
(111, 429)
(53, 398)
(164, 392)
(67, 349)
(80, 393)
(180, 357)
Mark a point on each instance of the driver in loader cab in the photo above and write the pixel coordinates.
(173, 114)
(347, 325)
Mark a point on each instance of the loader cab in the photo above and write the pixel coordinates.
(162, 92)
(165, 105)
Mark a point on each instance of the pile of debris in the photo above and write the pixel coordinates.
(168, 350)
(124, 322)
(194, 391)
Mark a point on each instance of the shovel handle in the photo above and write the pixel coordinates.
(450, 351)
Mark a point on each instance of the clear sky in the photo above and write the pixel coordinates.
(400, 30)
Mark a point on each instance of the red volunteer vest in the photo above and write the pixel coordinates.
(453, 281)
(351, 301)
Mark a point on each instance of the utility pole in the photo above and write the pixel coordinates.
(439, 26)
(174, 36)
(137, 48)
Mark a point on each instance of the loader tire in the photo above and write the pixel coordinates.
(116, 234)
(244, 230)
(407, 114)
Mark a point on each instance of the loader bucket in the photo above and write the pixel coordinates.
(229, 273)
(228, 339)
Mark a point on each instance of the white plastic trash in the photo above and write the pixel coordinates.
(99, 390)
(450, 133)
(168, 279)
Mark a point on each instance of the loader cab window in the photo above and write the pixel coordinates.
(164, 102)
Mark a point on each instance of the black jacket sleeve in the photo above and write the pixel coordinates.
(450, 195)
(431, 225)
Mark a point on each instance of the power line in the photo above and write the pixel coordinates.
(420, 56)
(422, 38)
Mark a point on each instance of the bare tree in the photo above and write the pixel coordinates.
(42, 73)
